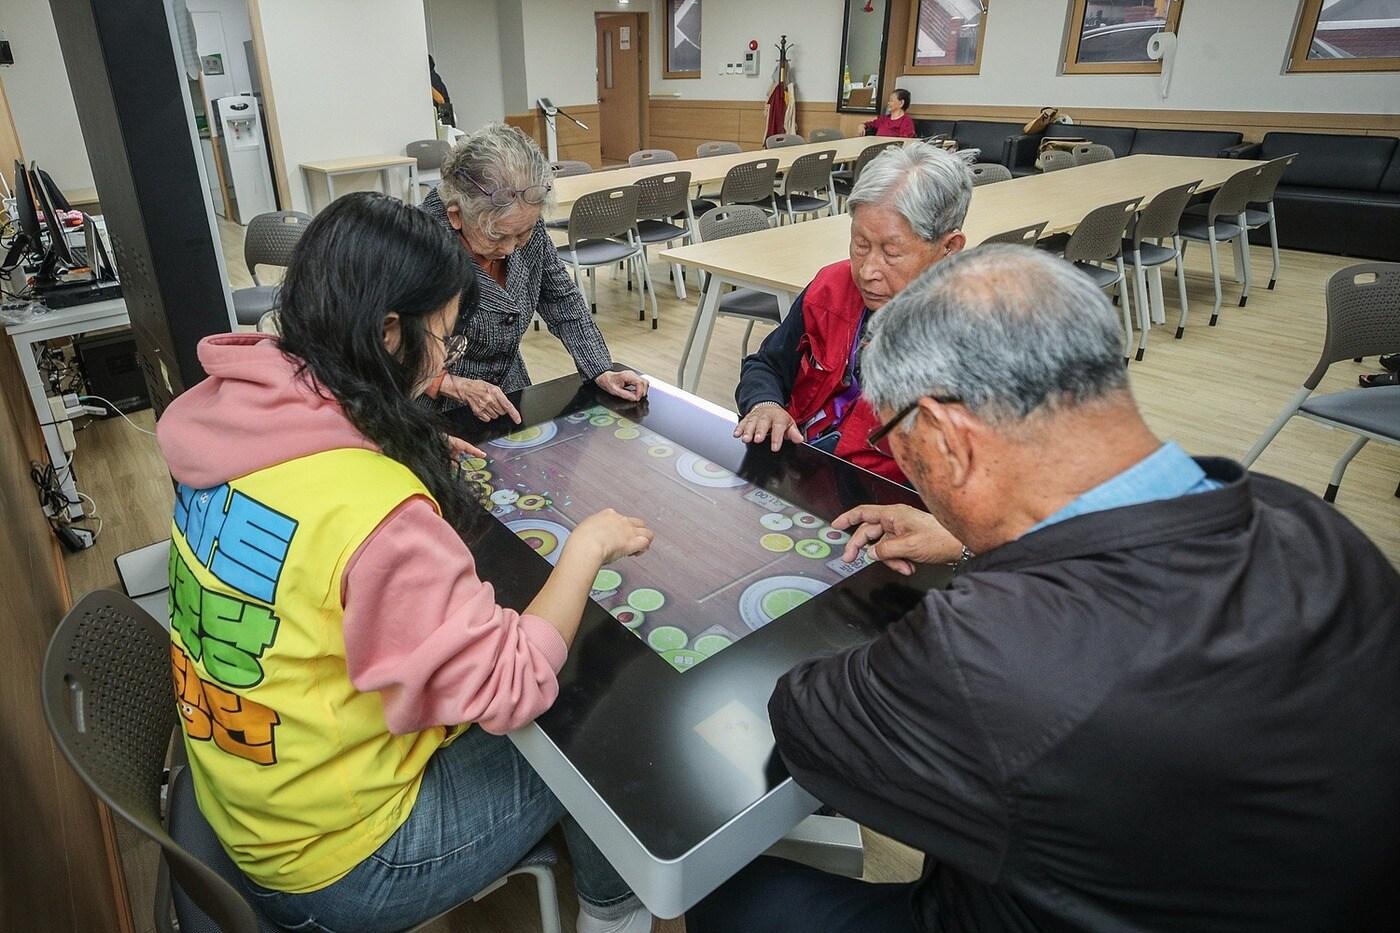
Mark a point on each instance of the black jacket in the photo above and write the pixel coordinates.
(1182, 715)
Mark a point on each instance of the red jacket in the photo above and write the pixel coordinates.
(885, 126)
(832, 310)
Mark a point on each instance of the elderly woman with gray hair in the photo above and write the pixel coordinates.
(494, 185)
(804, 382)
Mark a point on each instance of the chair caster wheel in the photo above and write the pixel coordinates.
(1180, 332)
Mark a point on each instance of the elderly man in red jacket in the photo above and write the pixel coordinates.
(1160, 696)
(804, 382)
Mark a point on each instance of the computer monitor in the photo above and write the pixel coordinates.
(54, 192)
(58, 243)
(24, 207)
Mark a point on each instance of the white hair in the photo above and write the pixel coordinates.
(928, 187)
(1007, 330)
(495, 156)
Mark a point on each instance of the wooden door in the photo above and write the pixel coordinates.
(619, 85)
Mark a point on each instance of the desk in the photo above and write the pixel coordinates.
(704, 171)
(783, 260)
(51, 325)
(668, 762)
(386, 166)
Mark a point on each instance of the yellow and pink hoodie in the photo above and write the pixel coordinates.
(328, 630)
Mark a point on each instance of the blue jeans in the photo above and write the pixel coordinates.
(773, 895)
(480, 809)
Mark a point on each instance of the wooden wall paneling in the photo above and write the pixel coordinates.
(59, 869)
(574, 143)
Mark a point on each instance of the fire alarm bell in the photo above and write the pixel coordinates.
(753, 45)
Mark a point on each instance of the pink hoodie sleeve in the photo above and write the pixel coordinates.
(424, 630)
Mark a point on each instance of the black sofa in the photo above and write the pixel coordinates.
(1341, 195)
(1022, 149)
(991, 137)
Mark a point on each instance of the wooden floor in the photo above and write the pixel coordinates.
(1214, 392)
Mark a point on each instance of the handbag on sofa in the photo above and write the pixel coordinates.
(1038, 125)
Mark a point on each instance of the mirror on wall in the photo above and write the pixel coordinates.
(864, 31)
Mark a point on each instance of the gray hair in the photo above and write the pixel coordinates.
(1008, 330)
(929, 187)
(495, 156)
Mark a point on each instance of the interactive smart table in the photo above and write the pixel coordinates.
(659, 743)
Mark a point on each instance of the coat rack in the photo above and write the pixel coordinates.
(783, 47)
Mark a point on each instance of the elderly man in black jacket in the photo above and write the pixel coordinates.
(1160, 694)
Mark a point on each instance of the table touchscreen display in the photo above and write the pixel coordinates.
(729, 557)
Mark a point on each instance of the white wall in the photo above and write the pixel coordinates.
(561, 59)
(464, 39)
(232, 29)
(1231, 57)
(726, 26)
(347, 78)
(41, 99)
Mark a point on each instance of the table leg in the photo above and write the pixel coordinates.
(330, 190)
(414, 193)
(785, 300)
(702, 326)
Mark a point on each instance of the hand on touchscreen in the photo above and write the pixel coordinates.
(611, 536)
(485, 400)
(768, 420)
(899, 535)
(460, 448)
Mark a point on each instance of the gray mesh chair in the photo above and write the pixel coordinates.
(844, 181)
(779, 140)
(268, 241)
(987, 173)
(664, 199)
(825, 134)
(1052, 160)
(1223, 221)
(806, 176)
(1262, 192)
(1089, 153)
(430, 154)
(603, 231)
(651, 157)
(108, 700)
(1159, 220)
(1362, 320)
(566, 167)
(1021, 236)
(1097, 240)
(751, 183)
(747, 303)
(705, 150)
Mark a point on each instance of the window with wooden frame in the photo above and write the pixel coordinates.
(682, 48)
(1346, 35)
(1111, 36)
(945, 37)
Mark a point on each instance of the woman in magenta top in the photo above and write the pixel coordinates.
(894, 121)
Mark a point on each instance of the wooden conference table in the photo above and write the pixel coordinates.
(782, 260)
(704, 171)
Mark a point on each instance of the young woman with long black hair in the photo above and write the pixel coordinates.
(344, 675)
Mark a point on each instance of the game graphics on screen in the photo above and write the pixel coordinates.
(729, 557)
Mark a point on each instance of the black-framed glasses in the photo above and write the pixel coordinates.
(453, 348)
(532, 195)
(883, 431)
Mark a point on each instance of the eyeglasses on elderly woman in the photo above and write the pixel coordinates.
(532, 195)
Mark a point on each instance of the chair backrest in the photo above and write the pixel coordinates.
(271, 237)
(1022, 236)
(1099, 235)
(825, 134)
(811, 172)
(732, 220)
(601, 215)
(1262, 191)
(1052, 160)
(1233, 197)
(705, 150)
(749, 182)
(778, 140)
(1089, 153)
(986, 173)
(1162, 216)
(663, 196)
(430, 153)
(1362, 318)
(870, 154)
(567, 167)
(651, 157)
(110, 706)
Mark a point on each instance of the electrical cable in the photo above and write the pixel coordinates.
(114, 408)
